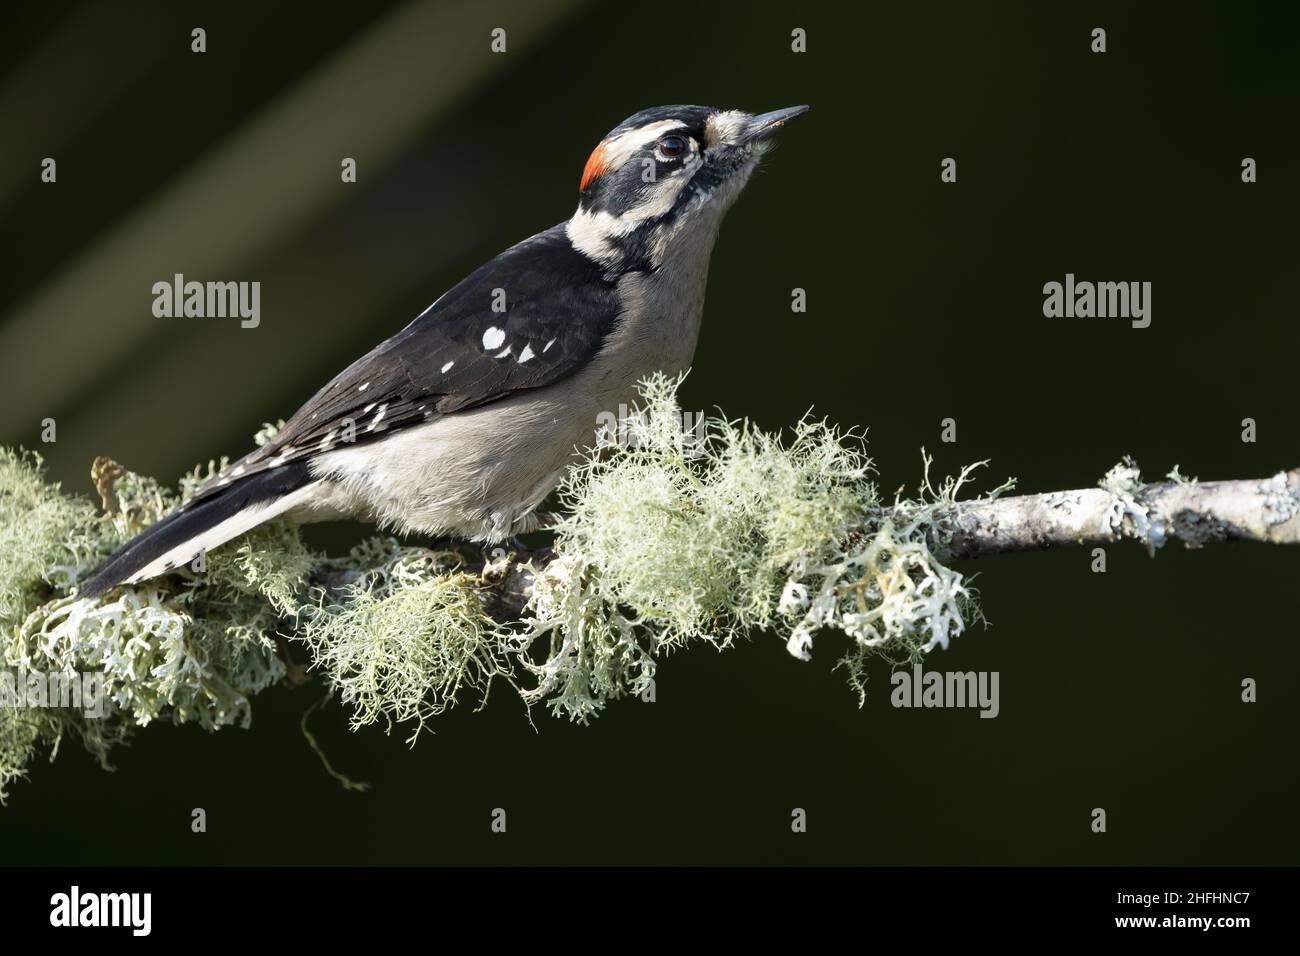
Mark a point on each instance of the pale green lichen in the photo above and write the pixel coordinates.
(46, 539)
(192, 647)
(1127, 514)
(669, 541)
(405, 638)
(673, 537)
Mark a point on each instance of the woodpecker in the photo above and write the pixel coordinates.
(463, 422)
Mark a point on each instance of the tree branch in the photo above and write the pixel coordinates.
(1195, 513)
(505, 585)
(666, 542)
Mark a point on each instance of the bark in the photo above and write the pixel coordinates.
(1265, 510)
(1194, 513)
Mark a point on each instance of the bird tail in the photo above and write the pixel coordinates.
(201, 525)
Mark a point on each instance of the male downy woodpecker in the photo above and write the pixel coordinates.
(464, 421)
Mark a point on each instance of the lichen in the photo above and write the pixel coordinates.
(189, 648)
(1281, 499)
(46, 539)
(669, 540)
(672, 537)
(405, 638)
(1127, 514)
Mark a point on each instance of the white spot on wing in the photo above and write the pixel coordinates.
(503, 353)
(446, 368)
(493, 338)
(548, 345)
(526, 354)
(362, 388)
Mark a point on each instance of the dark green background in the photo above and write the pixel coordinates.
(1118, 690)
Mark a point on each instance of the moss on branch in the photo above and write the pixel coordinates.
(671, 537)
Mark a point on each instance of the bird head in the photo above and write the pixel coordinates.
(664, 176)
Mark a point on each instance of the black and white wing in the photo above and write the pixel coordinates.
(530, 317)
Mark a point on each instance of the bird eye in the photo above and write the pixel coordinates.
(670, 147)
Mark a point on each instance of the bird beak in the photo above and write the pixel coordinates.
(765, 124)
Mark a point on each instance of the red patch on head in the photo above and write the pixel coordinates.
(595, 166)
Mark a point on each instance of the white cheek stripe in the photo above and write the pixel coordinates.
(593, 232)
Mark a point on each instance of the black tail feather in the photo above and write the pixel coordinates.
(191, 521)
